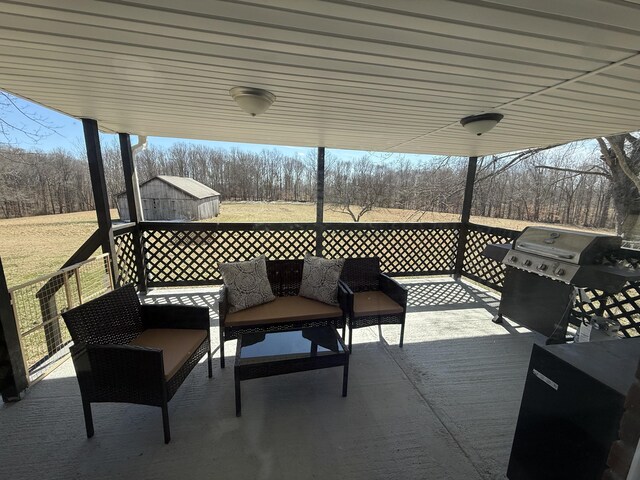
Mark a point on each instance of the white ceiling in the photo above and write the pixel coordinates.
(367, 75)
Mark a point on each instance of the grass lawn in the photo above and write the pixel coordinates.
(34, 246)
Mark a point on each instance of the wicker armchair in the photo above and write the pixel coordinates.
(374, 298)
(127, 352)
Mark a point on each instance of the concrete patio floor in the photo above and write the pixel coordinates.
(443, 407)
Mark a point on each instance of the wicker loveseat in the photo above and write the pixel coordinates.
(127, 352)
(288, 311)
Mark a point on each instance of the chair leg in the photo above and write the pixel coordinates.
(350, 339)
(88, 418)
(221, 347)
(344, 330)
(165, 422)
(209, 363)
(402, 333)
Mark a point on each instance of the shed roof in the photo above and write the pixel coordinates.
(189, 186)
(363, 74)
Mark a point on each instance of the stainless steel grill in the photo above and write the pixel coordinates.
(582, 259)
(546, 265)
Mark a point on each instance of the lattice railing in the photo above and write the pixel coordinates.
(188, 254)
(478, 267)
(125, 254)
(403, 249)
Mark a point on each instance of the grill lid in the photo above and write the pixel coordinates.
(579, 248)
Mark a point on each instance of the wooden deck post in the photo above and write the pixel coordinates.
(320, 202)
(133, 202)
(99, 188)
(13, 375)
(466, 215)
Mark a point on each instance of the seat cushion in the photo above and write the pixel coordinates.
(374, 303)
(177, 345)
(283, 310)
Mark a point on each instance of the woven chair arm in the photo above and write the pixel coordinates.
(175, 316)
(345, 298)
(119, 373)
(223, 305)
(394, 290)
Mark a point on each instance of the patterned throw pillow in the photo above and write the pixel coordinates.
(247, 283)
(320, 279)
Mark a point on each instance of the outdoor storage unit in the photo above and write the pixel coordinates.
(173, 198)
(571, 409)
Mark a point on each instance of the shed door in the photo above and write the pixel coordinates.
(150, 208)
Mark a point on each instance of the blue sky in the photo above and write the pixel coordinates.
(66, 133)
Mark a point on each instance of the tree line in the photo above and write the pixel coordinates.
(557, 185)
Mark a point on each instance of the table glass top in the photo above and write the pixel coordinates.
(310, 342)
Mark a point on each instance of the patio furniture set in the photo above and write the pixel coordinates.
(285, 315)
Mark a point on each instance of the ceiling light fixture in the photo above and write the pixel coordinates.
(479, 124)
(254, 101)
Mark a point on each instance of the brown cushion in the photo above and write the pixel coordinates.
(374, 303)
(282, 310)
(177, 345)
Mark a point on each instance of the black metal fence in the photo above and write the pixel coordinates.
(187, 254)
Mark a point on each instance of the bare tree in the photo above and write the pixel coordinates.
(621, 155)
(357, 187)
(25, 126)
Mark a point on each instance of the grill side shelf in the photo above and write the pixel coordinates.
(608, 278)
(497, 251)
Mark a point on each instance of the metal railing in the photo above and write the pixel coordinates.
(38, 304)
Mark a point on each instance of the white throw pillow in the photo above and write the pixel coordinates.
(320, 278)
(247, 283)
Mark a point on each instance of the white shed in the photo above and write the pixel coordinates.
(166, 197)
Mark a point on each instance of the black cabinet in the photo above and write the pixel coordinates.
(571, 408)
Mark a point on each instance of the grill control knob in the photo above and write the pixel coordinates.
(513, 258)
(527, 263)
(542, 267)
(560, 272)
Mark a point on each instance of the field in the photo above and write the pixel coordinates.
(34, 246)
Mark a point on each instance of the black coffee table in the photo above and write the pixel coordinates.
(276, 353)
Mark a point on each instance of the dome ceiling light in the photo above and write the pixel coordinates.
(479, 124)
(254, 101)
